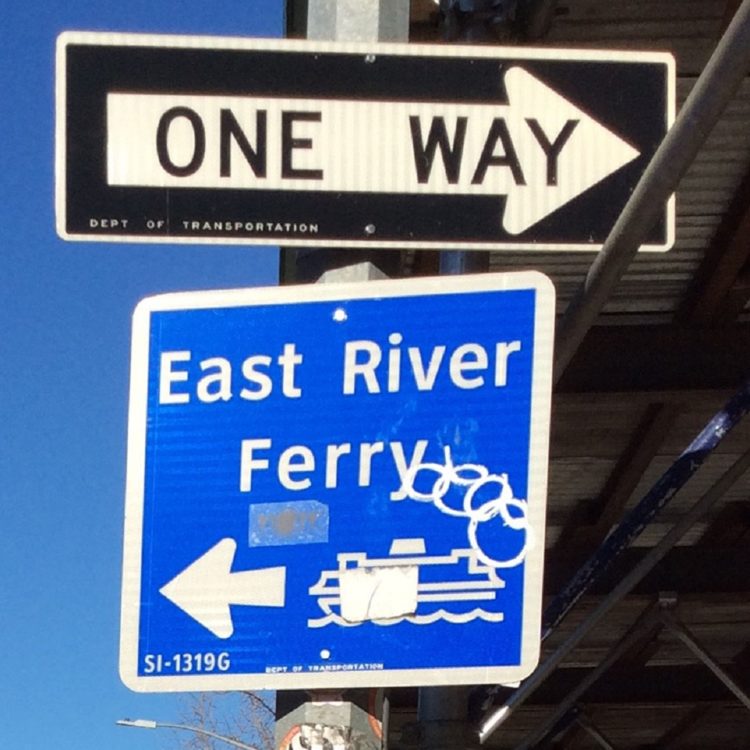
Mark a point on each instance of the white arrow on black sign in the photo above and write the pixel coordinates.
(205, 588)
(539, 149)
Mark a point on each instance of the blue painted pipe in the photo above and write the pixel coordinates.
(650, 505)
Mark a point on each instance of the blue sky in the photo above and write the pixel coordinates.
(64, 358)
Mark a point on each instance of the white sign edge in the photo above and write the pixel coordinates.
(99, 38)
(61, 150)
(118, 39)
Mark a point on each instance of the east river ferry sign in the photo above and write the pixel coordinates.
(205, 139)
(327, 484)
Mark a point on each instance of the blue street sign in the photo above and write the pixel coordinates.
(337, 485)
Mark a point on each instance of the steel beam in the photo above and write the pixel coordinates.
(633, 635)
(668, 484)
(588, 726)
(681, 632)
(721, 77)
(496, 716)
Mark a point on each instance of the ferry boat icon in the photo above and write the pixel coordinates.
(407, 585)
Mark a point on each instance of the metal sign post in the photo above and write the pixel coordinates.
(347, 20)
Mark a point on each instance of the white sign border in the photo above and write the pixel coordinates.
(541, 387)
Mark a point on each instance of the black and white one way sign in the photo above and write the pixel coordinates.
(201, 139)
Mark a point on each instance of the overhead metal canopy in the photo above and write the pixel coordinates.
(669, 347)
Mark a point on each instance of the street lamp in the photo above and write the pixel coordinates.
(150, 724)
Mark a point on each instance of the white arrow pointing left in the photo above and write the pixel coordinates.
(206, 588)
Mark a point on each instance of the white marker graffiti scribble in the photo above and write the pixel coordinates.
(465, 579)
(471, 479)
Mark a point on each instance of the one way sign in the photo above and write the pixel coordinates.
(207, 139)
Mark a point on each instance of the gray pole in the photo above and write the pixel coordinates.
(442, 712)
(346, 21)
(320, 721)
(358, 20)
(473, 31)
(442, 717)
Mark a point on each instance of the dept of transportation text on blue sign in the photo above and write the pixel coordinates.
(338, 485)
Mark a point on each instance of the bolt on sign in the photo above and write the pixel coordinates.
(198, 139)
(329, 484)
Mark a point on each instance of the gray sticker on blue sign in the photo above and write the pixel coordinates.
(277, 524)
